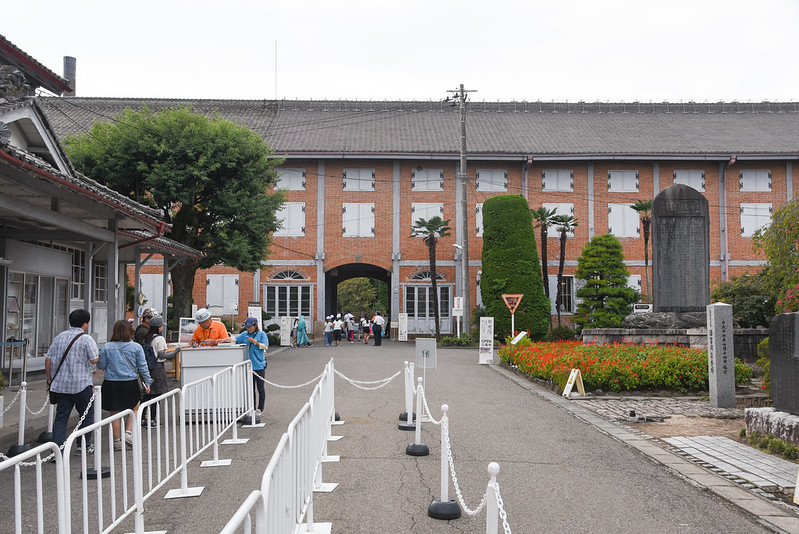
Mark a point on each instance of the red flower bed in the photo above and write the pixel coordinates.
(616, 367)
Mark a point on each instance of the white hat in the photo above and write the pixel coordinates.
(202, 315)
(338, 316)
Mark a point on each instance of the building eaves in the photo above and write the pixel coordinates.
(35, 71)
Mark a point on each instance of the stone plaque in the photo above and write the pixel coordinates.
(784, 367)
(680, 250)
(720, 356)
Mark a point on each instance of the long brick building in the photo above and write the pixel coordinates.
(359, 174)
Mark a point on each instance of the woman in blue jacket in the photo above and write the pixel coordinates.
(257, 343)
(121, 359)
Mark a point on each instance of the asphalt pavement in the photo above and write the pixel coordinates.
(563, 468)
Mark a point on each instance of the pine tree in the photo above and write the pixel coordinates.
(606, 298)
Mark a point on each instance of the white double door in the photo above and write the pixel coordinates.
(419, 307)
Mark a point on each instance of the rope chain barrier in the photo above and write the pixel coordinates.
(382, 381)
(47, 458)
(10, 404)
(44, 405)
(427, 410)
(311, 381)
(445, 429)
(501, 505)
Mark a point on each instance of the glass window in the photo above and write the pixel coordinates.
(78, 274)
(101, 282)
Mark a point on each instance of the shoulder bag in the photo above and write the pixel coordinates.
(139, 379)
(51, 394)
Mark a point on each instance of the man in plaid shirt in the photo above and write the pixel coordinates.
(72, 383)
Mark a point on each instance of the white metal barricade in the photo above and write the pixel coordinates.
(23, 460)
(242, 520)
(161, 441)
(116, 496)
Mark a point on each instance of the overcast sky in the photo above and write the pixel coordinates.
(592, 50)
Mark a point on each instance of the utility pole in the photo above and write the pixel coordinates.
(463, 232)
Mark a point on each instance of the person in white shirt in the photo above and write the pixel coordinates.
(377, 328)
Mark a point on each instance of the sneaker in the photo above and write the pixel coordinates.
(118, 444)
(129, 437)
(258, 413)
(144, 423)
(153, 423)
(89, 449)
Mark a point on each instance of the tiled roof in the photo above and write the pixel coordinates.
(36, 72)
(499, 129)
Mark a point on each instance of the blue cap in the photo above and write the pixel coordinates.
(251, 321)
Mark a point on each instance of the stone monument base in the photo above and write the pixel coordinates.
(770, 422)
(666, 320)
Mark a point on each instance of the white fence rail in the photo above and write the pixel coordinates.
(294, 472)
(118, 478)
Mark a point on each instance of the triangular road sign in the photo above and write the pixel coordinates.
(512, 301)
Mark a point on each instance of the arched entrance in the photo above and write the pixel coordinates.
(336, 275)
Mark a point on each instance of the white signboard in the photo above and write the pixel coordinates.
(486, 340)
(457, 307)
(285, 331)
(426, 353)
(254, 310)
(402, 329)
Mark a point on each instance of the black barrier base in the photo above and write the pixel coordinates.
(45, 437)
(91, 473)
(444, 510)
(404, 417)
(338, 417)
(18, 449)
(247, 420)
(407, 426)
(417, 449)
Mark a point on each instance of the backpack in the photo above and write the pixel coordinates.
(149, 355)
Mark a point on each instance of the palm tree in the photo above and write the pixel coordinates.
(431, 231)
(644, 209)
(543, 217)
(566, 224)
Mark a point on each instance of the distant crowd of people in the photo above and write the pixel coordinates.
(347, 327)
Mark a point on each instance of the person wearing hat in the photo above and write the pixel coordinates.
(159, 386)
(329, 331)
(144, 325)
(257, 342)
(208, 332)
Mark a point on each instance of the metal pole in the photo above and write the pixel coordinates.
(464, 215)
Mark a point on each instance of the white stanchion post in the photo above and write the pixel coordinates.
(21, 446)
(444, 508)
(406, 419)
(47, 434)
(417, 448)
(492, 505)
(97, 407)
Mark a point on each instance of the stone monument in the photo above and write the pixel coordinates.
(720, 357)
(784, 366)
(680, 251)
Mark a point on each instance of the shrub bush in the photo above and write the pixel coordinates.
(465, 339)
(562, 333)
(764, 362)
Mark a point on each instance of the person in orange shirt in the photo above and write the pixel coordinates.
(208, 332)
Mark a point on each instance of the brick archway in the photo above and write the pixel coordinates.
(336, 275)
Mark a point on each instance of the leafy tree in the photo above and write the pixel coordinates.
(780, 243)
(543, 218)
(606, 297)
(753, 302)
(430, 232)
(644, 209)
(565, 224)
(510, 265)
(210, 177)
(357, 295)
